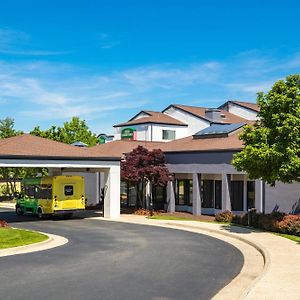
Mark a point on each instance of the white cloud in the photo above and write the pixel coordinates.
(14, 42)
(58, 91)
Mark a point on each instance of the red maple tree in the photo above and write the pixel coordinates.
(142, 166)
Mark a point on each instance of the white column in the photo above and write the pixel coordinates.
(148, 194)
(97, 179)
(245, 194)
(196, 195)
(112, 193)
(259, 186)
(226, 204)
(171, 196)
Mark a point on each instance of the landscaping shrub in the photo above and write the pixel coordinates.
(240, 219)
(276, 221)
(4, 224)
(290, 224)
(225, 216)
(144, 212)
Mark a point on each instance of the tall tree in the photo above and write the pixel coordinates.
(7, 128)
(272, 150)
(12, 174)
(142, 166)
(74, 131)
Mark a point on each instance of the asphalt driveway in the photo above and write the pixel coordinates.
(109, 260)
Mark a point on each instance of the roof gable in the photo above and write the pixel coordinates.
(199, 112)
(153, 117)
(248, 105)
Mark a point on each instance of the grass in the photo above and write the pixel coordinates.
(174, 218)
(288, 236)
(10, 237)
(170, 218)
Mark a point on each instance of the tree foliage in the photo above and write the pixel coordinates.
(11, 174)
(142, 166)
(74, 131)
(7, 128)
(272, 145)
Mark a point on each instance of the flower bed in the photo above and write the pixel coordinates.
(276, 221)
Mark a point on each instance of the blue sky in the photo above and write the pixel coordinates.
(105, 60)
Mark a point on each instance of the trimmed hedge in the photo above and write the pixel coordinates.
(276, 221)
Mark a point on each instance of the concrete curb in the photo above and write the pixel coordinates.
(257, 246)
(222, 294)
(53, 241)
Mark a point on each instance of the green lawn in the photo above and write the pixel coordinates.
(290, 237)
(170, 218)
(10, 237)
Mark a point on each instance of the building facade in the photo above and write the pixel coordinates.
(175, 122)
(199, 144)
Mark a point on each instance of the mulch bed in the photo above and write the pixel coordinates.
(186, 215)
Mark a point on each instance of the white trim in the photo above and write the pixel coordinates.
(57, 163)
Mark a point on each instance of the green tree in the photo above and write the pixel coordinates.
(12, 174)
(74, 131)
(272, 145)
(7, 128)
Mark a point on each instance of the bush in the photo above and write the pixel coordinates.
(143, 212)
(225, 216)
(290, 224)
(4, 224)
(240, 219)
(276, 221)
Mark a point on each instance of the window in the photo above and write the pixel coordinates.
(124, 193)
(168, 134)
(159, 197)
(236, 195)
(207, 190)
(69, 190)
(45, 191)
(30, 191)
(250, 194)
(184, 192)
(218, 194)
(180, 192)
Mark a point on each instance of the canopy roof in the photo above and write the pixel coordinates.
(31, 147)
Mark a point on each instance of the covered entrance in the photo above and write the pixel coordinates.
(34, 152)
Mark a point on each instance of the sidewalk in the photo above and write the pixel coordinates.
(272, 263)
(7, 205)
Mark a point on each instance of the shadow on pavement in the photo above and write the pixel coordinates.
(247, 230)
(10, 216)
(240, 229)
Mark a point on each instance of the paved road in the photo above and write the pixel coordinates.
(109, 260)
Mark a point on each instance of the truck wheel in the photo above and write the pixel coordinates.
(19, 211)
(40, 213)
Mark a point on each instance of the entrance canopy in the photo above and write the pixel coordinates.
(31, 151)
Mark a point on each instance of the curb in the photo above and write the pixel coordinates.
(53, 241)
(257, 246)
